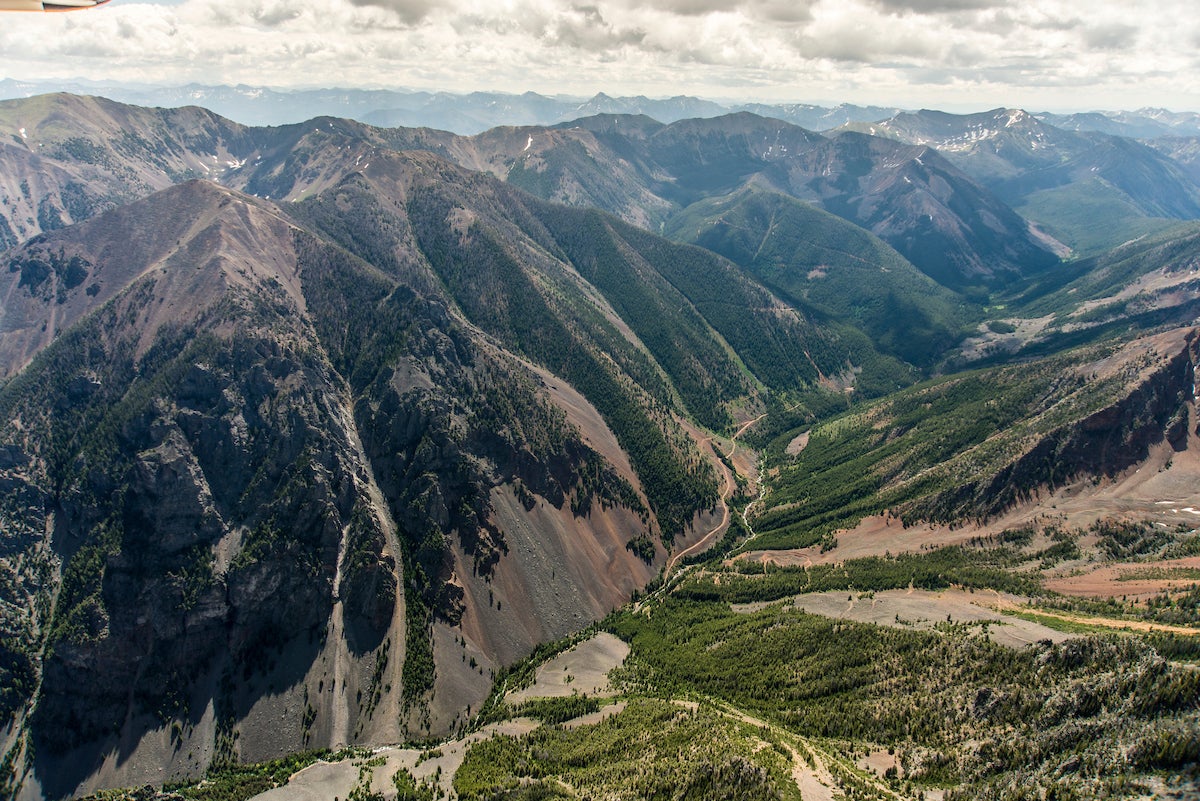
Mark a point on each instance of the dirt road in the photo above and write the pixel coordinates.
(722, 461)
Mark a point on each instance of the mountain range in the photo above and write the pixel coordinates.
(632, 166)
(1052, 173)
(311, 432)
(476, 112)
(462, 113)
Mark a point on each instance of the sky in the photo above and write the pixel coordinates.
(957, 55)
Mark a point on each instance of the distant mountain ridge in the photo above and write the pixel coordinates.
(1143, 123)
(466, 114)
(910, 196)
(1048, 172)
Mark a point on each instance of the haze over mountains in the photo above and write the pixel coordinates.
(478, 111)
(310, 431)
(461, 113)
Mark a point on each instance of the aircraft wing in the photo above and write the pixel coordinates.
(48, 5)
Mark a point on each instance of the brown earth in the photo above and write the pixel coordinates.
(798, 444)
(588, 663)
(1134, 581)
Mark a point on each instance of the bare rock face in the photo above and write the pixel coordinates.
(161, 611)
(169, 495)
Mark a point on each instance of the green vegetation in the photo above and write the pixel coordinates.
(1171, 607)
(1090, 216)
(968, 446)
(934, 570)
(650, 750)
(1172, 573)
(957, 708)
(831, 269)
(557, 709)
(498, 294)
(1120, 539)
(1104, 275)
(641, 546)
(1057, 623)
(409, 789)
(663, 318)
(418, 671)
(232, 783)
(856, 464)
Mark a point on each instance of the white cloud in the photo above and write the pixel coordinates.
(952, 53)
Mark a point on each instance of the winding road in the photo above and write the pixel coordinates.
(726, 493)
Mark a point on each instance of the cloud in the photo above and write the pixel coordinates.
(934, 6)
(272, 14)
(410, 11)
(1113, 36)
(692, 7)
(785, 11)
(584, 27)
(921, 52)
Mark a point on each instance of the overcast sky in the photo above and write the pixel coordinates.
(952, 54)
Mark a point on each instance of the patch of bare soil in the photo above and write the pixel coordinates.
(441, 763)
(1136, 581)
(798, 444)
(878, 761)
(922, 609)
(319, 782)
(816, 784)
(1161, 288)
(873, 536)
(985, 341)
(595, 717)
(583, 669)
(323, 781)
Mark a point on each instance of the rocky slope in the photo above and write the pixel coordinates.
(1104, 420)
(68, 158)
(262, 494)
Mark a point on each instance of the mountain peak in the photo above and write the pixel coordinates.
(193, 242)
